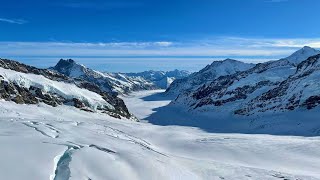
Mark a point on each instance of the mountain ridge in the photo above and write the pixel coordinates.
(210, 72)
(243, 92)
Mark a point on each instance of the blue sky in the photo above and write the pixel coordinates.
(116, 35)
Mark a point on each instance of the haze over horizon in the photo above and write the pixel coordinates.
(132, 36)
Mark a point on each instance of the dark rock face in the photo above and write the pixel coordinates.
(312, 102)
(64, 65)
(20, 95)
(77, 103)
(12, 92)
(239, 93)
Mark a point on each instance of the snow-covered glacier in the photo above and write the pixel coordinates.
(45, 142)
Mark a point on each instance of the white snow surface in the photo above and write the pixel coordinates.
(66, 90)
(41, 142)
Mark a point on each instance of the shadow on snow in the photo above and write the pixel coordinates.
(297, 124)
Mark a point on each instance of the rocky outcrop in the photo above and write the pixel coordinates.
(21, 95)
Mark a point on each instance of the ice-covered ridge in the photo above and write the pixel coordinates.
(68, 91)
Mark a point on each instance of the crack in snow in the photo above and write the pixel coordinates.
(62, 169)
(37, 129)
(135, 140)
(101, 148)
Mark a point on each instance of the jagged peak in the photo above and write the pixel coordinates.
(65, 63)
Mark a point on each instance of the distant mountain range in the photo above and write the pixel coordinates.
(122, 83)
(161, 79)
(284, 85)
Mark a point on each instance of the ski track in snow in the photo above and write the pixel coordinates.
(42, 142)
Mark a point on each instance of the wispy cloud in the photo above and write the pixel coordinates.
(276, 1)
(102, 5)
(13, 21)
(213, 47)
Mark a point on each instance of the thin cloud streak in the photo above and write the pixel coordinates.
(13, 21)
(102, 5)
(220, 46)
(276, 1)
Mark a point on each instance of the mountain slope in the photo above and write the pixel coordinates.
(25, 84)
(108, 82)
(238, 87)
(207, 74)
(301, 90)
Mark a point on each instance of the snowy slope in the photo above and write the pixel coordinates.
(302, 54)
(209, 73)
(65, 143)
(108, 82)
(67, 91)
(229, 91)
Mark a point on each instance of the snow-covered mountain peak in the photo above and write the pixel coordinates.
(208, 74)
(108, 82)
(302, 54)
(227, 66)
